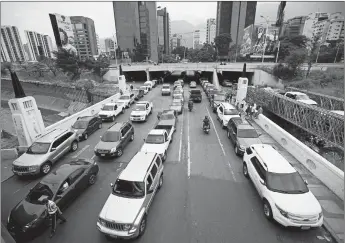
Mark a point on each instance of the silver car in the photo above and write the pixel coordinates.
(44, 152)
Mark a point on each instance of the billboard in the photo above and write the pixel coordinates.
(63, 32)
(254, 40)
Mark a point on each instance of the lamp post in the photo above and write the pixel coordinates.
(264, 49)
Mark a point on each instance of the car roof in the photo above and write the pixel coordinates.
(117, 126)
(274, 161)
(169, 122)
(238, 120)
(85, 118)
(295, 93)
(168, 112)
(157, 132)
(142, 102)
(137, 168)
(246, 126)
(227, 105)
(50, 136)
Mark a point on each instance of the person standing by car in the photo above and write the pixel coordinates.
(55, 214)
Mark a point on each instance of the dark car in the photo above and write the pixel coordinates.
(29, 217)
(138, 94)
(168, 115)
(217, 99)
(195, 95)
(242, 134)
(115, 139)
(86, 125)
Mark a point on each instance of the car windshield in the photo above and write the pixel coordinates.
(195, 91)
(247, 133)
(108, 108)
(289, 183)
(178, 96)
(129, 189)
(111, 136)
(38, 193)
(302, 97)
(38, 148)
(230, 112)
(154, 139)
(176, 104)
(139, 108)
(166, 86)
(124, 97)
(167, 117)
(119, 103)
(219, 98)
(80, 124)
(142, 88)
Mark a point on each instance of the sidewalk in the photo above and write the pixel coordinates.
(332, 205)
(6, 169)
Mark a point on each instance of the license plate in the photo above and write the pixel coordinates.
(102, 154)
(305, 227)
(19, 173)
(113, 236)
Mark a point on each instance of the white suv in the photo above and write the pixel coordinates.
(124, 214)
(286, 196)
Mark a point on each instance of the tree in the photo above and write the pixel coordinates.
(38, 68)
(140, 53)
(313, 45)
(68, 62)
(87, 85)
(296, 58)
(180, 50)
(289, 44)
(169, 59)
(222, 43)
(50, 63)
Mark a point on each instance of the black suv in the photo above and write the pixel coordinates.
(242, 134)
(86, 125)
(115, 139)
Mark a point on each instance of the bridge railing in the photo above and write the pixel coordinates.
(325, 101)
(315, 120)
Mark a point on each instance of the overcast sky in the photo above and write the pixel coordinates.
(35, 15)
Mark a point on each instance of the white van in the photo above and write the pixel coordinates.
(149, 84)
(124, 214)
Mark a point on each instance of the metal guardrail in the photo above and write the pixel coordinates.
(317, 121)
(325, 101)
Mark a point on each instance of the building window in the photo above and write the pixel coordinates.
(14, 106)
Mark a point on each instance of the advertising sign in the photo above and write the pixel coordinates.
(63, 31)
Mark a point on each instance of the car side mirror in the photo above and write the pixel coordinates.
(262, 182)
(111, 185)
(123, 137)
(144, 140)
(306, 182)
(52, 149)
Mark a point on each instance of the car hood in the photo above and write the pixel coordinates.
(126, 101)
(176, 108)
(106, 145)
(30, 159)
(138, 113)
(155, 148)
(228, 117)
(120, 209)
(246, 142)
(107, 113)
(26, 212)
(299, 204)
(308, 102)
(165, 89)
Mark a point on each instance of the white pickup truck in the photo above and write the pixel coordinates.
(111, 110)
(159, 139)
(141, 111)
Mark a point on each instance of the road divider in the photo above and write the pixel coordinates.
(325, 171)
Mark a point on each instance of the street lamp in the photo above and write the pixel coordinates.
(264, 49)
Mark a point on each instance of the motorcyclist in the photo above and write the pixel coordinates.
(190, 104)
(206, 122)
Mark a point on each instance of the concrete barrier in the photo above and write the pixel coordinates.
(325, 171)
(90, 111)
(9, 153)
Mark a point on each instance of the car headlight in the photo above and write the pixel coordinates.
(133, 229)
(284, 213)
(320, 215)
(30, 225)
(113, 150)
(101, 221)
(242, 147)
(127, 226)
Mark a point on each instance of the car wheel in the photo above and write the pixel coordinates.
(119, 152)
(145, 118)
(46, 168)
(267, 209)
(132, 137)
(245, 170)
(150, 111)
(113, 118)
(142, 226)
(74, 146)
(85, 136)
(160, 182)
(100, 126)
(123, 111)
(236, 150)
(92, 179)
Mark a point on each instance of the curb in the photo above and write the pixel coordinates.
(7, 178)
(331, 232)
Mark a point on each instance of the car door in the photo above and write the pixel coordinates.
(66, 142)
(78, 180)
(63, 198)
(220, 113)
(57, 149)
(91, 126)
(233, 131)
(256, 173)
(147, 108)
(124, 135)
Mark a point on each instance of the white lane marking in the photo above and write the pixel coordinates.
(120, 164)
(16, 191)
(221, 145)
(180, 149)
(79, 153)
(93, 156)
(188, 146)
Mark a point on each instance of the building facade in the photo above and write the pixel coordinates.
(47, 41)
(294, 27)
(210, 30)
(98, 44)
(11, 45)
(330, 29)
(233, 18)
(84, 37)
(164, 30)
(110, 47)
(311, 20)
(175, 41)
(38, 45)
(27, 52)
(136, 23)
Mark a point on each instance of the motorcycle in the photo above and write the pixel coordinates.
(206, 129)
(190, 107)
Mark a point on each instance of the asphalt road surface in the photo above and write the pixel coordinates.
(204, 198)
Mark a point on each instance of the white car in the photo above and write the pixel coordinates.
(301, 97)
(111, 110)
(225, 112)
(149, 84)
(339, 112)
(128, 99)
(145, 89)
(158, 141)
(192, 84)
(141, 111)
(166, 89)
(286, 196)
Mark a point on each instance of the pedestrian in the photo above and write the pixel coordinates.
(55, 214)
(131, 86)
(248, 110)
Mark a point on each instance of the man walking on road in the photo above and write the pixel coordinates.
(55, 214)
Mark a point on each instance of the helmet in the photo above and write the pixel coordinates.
(206, 117)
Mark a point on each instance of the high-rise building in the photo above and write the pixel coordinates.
(210, 30)
(38, 45)
(85, 36)
(310, 21)
(197, 39)
(27, 52)
(175, 41)
(136, 23)
(294, 27)
(110, 46)
(98, 44)
(11, 44)
(164, 30)
(234, 17)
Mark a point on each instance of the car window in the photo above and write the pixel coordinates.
(165, 136)
(63, 188)
(221, 109)
(158, 161)
(148, 182)
(249, 151)
(75, 175)
(58, 142)
(257, 167)
(124, 130)
(154, 171)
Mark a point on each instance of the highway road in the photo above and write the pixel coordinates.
(204, 198)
